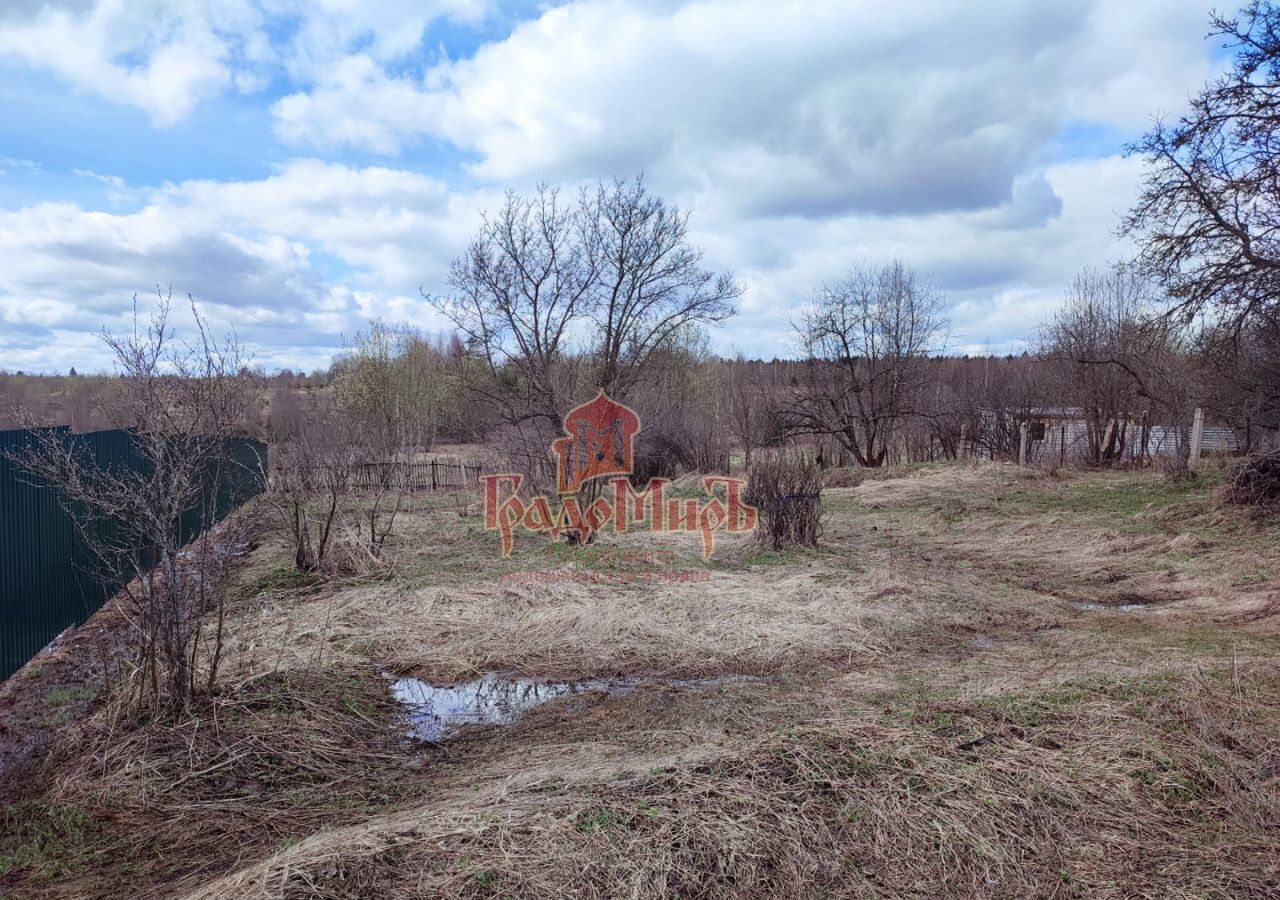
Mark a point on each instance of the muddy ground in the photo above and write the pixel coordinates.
(985, 683)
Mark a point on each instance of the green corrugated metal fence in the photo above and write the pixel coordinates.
(48, 577)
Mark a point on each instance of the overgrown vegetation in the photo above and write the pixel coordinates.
(180, 403)
(1255, 482)
(787, 491)
(920, 714)
(986, 681)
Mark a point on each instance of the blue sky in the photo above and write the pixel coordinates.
(299, 167)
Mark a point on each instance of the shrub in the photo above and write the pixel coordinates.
(788, 494)
(1255, 482)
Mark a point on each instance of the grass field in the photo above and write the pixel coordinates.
(985, 683)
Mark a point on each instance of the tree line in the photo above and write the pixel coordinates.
(560, 294)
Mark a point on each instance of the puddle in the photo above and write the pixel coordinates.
(1109, 607)
(1125, 601)
(438, 711)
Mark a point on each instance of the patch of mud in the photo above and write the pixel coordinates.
(439, 711)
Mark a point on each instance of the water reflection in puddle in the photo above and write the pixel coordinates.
(437, 711)
(1109, 607)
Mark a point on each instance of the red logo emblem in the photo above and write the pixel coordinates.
(599, 441)
(600, 438)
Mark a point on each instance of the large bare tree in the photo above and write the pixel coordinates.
(559, 298)
(1208, 217)
(515, 295)
(652, 288)
(867, 339)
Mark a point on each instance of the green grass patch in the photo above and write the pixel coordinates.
(42, 836)
(595, 820)
(1118, 496)
(69, 695)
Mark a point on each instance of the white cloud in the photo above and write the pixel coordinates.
(294, 262)
(112, 181)
(393, 225)
(166, 56)
(162, 58)
(299, 259)
(386, 30)
(788, 107)
(802, 136)
(356, 105)
(8, 163)
(1000, 275)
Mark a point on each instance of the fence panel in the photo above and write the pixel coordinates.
(49, 578)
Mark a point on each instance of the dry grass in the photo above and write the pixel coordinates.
(1095, 789)
(933, 716)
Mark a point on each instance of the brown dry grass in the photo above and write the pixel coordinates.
(1064, 796)
(933, 716)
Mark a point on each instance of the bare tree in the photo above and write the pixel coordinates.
(557, 299)
(1092, 340)
(867, 340)
(180, 404)
(391, 381)
(748, 405)
(1208, 218)
(514, 295)
(1243, 375)
(1116, 353)
(1005, 392)
(652, 288)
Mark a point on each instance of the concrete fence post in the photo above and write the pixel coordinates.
(1197, 439)
(1024, 443)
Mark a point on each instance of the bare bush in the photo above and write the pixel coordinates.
(180, 404)
(311, 491)
(334, 529)
(788, 494)
(1255, 482)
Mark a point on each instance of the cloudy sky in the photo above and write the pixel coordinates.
(302, 165)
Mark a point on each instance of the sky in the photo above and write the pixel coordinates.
(301, 166)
